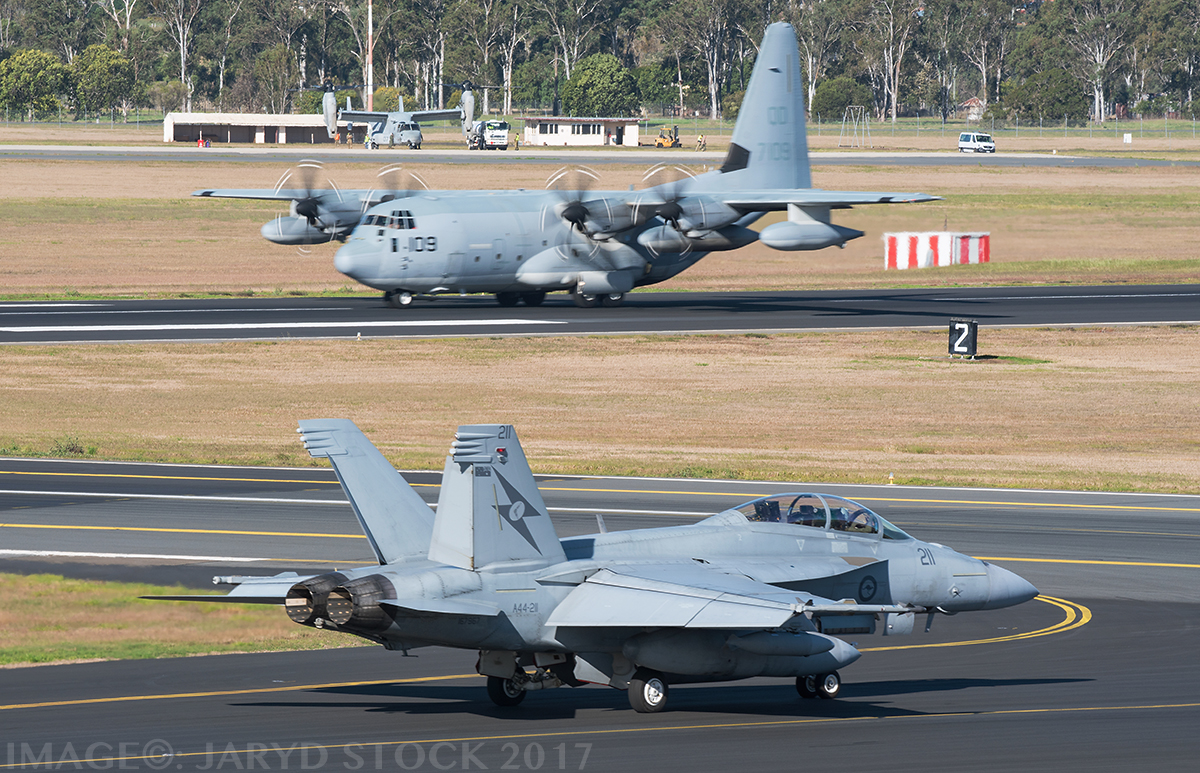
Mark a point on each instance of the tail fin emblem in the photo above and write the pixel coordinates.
(514, 511)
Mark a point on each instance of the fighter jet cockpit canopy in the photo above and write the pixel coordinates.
(819, 511)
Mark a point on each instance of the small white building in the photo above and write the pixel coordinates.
(564, 130)
(307, 129)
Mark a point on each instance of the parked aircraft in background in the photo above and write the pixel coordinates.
(597, 245)
(402, 127)
(762, 589)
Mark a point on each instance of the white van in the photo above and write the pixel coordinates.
(973, 142)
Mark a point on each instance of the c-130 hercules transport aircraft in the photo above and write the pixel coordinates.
(596, 245)
(762, 589)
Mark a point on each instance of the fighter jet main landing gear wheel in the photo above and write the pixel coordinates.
(825, 686)
(508, 299)
(612, 300)
(504, 692)
(647, 691)
(534, 298)
(585, 301)
(399, 299)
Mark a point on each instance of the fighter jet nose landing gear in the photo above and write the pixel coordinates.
(647, 691)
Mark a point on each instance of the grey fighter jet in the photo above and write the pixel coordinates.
(761, 589)
(597, 245)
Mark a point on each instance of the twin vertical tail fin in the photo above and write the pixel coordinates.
(769, 147)
(490, 511)
(396, 521)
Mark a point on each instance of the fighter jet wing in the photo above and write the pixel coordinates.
(421, 116)
(682, 596)
(248, 590)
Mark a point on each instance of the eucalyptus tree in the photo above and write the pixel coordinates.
(179, 20)
(820, 27)
(940, 45)
(1099, 31)
(987, 38)
(572, 24)
(894, 24)
(513, 34)
(708, 27)
(363, 27)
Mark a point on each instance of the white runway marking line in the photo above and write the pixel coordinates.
(197, 497)
(49, 305)
(4, 312)
(75, 554)
(278, 325)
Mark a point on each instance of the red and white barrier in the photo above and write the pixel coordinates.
(935, 248)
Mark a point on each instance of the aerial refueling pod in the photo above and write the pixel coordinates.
(812, 235)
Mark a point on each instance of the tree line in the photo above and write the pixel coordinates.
(1080, 59)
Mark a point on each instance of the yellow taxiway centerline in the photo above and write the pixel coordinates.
(1077, 615)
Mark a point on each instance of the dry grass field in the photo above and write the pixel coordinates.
(1085, 409)
(51, 619)
(120, 228)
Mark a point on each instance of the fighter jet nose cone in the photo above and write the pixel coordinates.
(1007, 589)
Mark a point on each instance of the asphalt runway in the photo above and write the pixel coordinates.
(545, 155)
(642, 313)
(1098, 674)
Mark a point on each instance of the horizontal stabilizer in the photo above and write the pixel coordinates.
(396, 521)
(249, 590)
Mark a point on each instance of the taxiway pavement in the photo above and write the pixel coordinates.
(1098, 674)
(642, 313)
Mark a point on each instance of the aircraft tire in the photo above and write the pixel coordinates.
(585, 301)
(508, 299)
(612, 300)
(400, 299)
(534, 298)
(829, 685)
(504, 692)
(647, 691)
(806, 686)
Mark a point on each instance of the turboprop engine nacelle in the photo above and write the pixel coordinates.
(667, 239)
(811, 235)
(293, 230)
